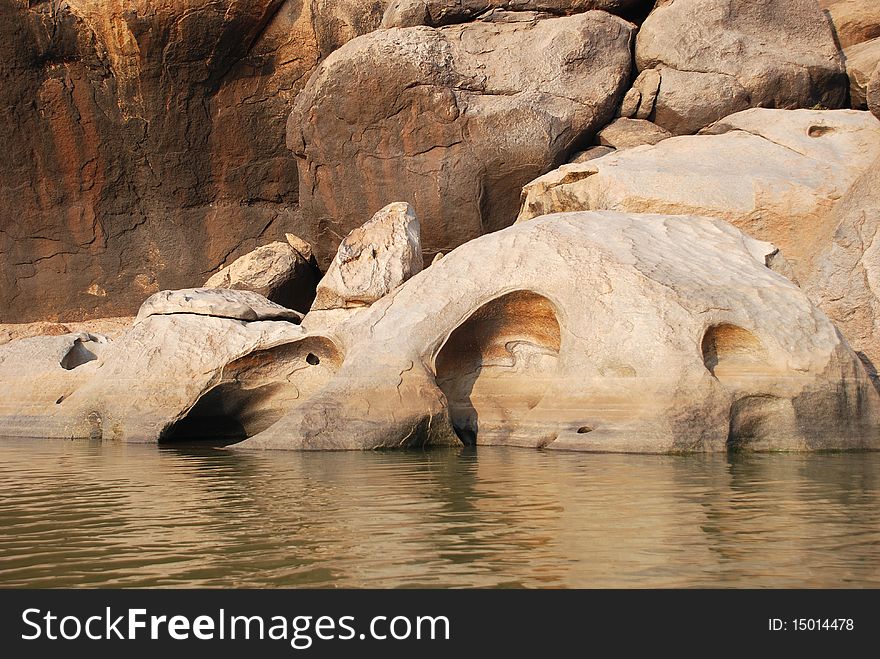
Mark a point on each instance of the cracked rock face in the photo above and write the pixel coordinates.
(861, 61)
(454, 120)
(143, 142)
(712, 58)
(595, 331)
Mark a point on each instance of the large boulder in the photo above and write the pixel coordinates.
(714, 57)
(372, 260)
(774, 174)
(454, 120)
(854, 21)
(143, 142)
(276, 271)
(861, 62)
(845, 281)
(409, 13)
(593, 331)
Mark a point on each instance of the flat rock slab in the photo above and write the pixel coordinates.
(217, 302)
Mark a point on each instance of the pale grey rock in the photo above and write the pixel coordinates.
(217, 302)
(596, 331)
(774, 174)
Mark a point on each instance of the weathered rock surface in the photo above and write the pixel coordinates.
(410, 13)
(140, 385)
(861, 62)
(217, 302)
(845, 281)
(774, 174)
(276, 271)
(873, 93)
(854, 21)
(591, 153)
(373, 260)
(627, 133)
(142, 143)
(38, 373)
(716, 57)
(110, 327)
(454, 120)
(593, 331)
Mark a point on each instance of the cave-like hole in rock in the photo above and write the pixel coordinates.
(730, 351)
(256, 390)
(495, 367)
(78, 355)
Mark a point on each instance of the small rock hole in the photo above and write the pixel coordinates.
(583, 430)
(60, 400)
(819, 131)
(312, 359)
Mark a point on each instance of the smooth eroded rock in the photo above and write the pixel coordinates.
(592, 331)
(846, 279)
(136, 388)
(774, 174)
(217, 302)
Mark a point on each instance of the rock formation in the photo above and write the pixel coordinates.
(626, 133)
(142, 143)
(861, 61)
(135, 388)
(854, 21)
(873, 93)
(712, 58)
(276, 271)
(410, 13)
(372, 260)
(593, 331)
(845, 280)
(455, 120)
(774, 174)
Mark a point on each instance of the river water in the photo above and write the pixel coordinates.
(92, 514)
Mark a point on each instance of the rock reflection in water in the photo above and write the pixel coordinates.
(79, 513)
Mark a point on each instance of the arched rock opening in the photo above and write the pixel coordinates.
(494, 368)
(256, 390)
(731, 352)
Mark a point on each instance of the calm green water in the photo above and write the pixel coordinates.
(86, 514)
